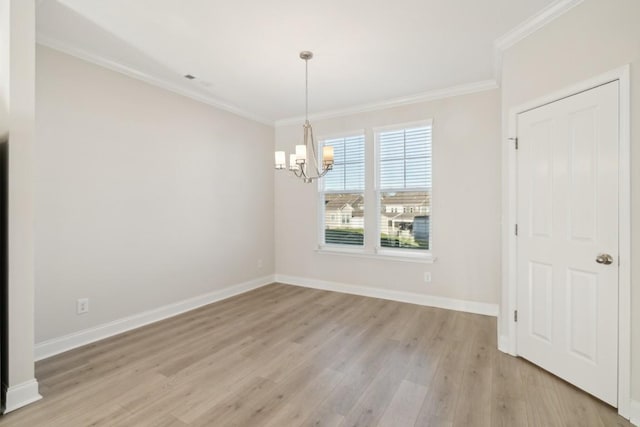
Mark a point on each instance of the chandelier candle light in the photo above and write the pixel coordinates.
(303, 167)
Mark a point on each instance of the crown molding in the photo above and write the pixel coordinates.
(534, 23)
(433, 95)
(505, 41)
(118, 67)
(527, 28)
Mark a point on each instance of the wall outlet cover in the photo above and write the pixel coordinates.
(82, 306)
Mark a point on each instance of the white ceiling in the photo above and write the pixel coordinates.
(244, 53)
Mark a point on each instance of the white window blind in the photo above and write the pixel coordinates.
(348, 168)
(405, 158)
(341, 194)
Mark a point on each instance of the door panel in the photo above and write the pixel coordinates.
(567, 216)
(542, 181)
(582, 179)
(541, 300)
(582, 301)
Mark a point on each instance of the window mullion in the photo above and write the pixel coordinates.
(404, 157)
(344, 170)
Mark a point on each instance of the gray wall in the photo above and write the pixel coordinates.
(466, 204)
(143, 197)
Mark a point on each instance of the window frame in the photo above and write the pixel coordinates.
(395, 252)
(371, 248)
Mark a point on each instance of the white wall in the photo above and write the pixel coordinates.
(18, 33)
(5, 23)
(466, 204)
(143, 197)
(593, 38)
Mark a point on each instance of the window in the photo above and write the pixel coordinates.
(342, 193)
(397, 220)
(404, 187)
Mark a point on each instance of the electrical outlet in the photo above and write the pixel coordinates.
(82, 306)
(427, 277)
(259, 263)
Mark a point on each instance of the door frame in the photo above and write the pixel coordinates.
(507, 341)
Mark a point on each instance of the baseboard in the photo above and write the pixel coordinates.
(503, 344)
(21, 395)
(634, 412)
(77, 339)
(409, 297)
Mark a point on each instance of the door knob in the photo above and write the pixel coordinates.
(605, 259)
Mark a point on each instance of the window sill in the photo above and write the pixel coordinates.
(380, 254)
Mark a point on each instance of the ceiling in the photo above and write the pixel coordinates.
(244, 53)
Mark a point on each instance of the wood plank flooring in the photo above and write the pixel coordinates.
(289, 356)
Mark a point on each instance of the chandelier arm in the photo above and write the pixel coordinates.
(303, 174)
(314, 151)
(325, 171)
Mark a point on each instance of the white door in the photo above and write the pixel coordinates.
(567, 229)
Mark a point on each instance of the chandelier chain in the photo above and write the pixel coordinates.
(306, 90)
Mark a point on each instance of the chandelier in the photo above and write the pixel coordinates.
(304, 163)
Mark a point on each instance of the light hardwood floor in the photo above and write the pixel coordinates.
(288, 356)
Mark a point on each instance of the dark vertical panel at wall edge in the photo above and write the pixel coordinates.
(4, 318)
